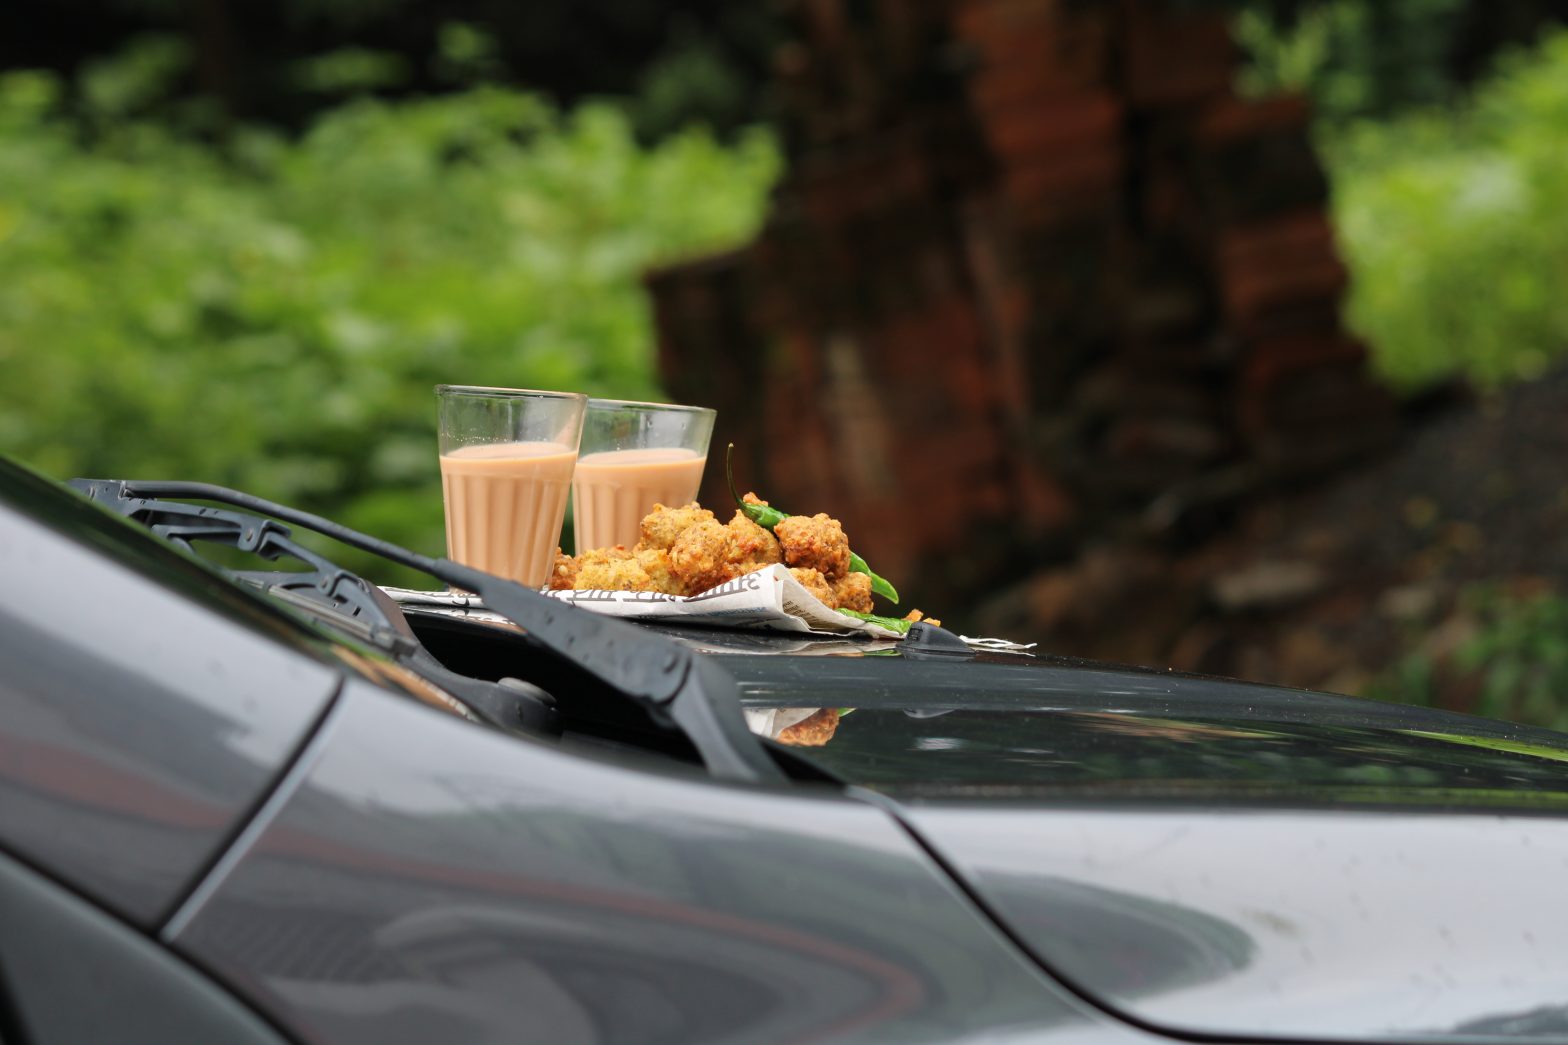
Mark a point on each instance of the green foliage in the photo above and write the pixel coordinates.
(1412, 679)
(349, 70)
(1514, 665)
(1455, 226)
(1353, 57)
(692, 75)
(1521, 658)
(466, 54)
(136, 79)
(272, 315)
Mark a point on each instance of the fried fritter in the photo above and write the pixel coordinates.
(707, 554)
(752, 498)
(564, 573)
(852, 592)
(610, 569)
(700, 560)
(812, 732)
(751, 546)
(655, 562)
(813, 582)
(687, 551)
(616, 569)
(663, 526)
(815, 541)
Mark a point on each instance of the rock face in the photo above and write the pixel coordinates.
(1034, 272)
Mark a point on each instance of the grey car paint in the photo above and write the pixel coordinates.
(74, 975)
(137, 725)
(426, 880)
(1348, 924)
(1215, 858)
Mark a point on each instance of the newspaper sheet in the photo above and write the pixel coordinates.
(769, 599)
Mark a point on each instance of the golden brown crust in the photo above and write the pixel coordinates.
(610, 569)
(699, 559)
(752, 498)
(915, 617)
(655, 563)
(687, 551)
(853, 592)
(663, 526)
(817, 542)
(812, 732)
(751, 547)
(564, 573)
(814, 582)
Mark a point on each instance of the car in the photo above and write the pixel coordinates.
(242, 804)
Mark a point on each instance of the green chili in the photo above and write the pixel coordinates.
(768, 517)
(890, 623)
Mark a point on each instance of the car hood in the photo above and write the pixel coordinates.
(1214, 858)
(1053, 730)
(1303, 924)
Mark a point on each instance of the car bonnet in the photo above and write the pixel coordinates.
(1217, 859)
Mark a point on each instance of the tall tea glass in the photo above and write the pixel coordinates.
(635, 455)
(507, 456)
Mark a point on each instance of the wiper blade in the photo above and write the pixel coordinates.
(327, 594)
(671, 683)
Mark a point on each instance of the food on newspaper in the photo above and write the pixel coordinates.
(687, 551)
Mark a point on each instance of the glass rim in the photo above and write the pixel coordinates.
(595, 401)
(487, 392)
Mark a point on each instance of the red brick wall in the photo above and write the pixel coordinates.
(1033, 269)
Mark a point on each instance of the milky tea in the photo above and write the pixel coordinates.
(505, 503)
(614, 489)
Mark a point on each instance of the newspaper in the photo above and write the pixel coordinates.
(769, 599)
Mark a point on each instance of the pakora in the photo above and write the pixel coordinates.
(816, 584)
(813, 731)
(852, 591)
(563, 574)
(699, 558)
(663, 526)
(815, 541)
(685, 550)
(751, 546)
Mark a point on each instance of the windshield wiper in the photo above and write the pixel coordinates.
(674, 686)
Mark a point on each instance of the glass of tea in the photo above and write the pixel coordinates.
(635, 455)
(507, 456)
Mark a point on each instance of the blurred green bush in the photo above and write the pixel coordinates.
(1354, 58)
(271, 314)
(1455, 225)
(1512, 663)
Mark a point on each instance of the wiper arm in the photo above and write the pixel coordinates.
(672, 684)
(327, 594)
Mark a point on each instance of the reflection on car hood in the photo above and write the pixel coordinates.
(923, 730)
